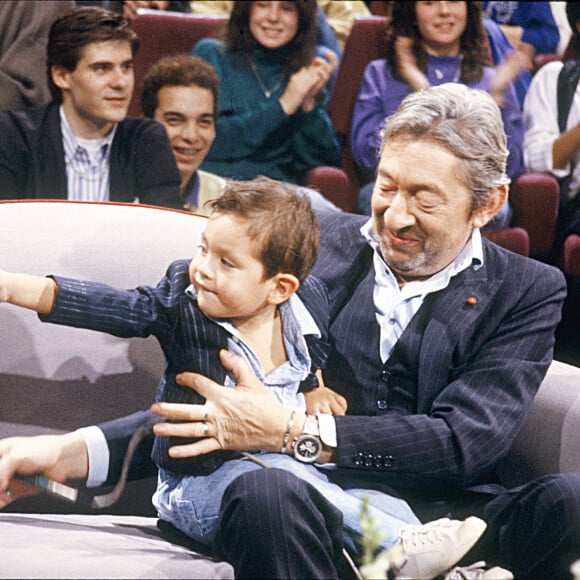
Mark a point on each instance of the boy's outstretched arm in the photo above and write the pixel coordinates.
(34, 292)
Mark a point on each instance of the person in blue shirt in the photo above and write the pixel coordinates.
(529, 26)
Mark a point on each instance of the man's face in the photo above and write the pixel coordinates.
(422, 210)
(97, 93)
(188, 116)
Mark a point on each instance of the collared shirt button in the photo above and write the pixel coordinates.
(382, 404)
(385, 376)
(392, 321)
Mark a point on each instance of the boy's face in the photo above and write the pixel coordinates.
(96, 94)
(187, 114)
(227, 274)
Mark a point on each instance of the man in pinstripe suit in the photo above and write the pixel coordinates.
(440, 341)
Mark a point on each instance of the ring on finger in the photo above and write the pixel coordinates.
(205, 429)
(205, 413)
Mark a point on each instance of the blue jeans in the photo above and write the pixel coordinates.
(192, 503)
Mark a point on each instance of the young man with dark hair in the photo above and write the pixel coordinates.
(181, 92)
(82, 146)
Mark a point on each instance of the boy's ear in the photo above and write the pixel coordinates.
(484, 214)
(284, 285)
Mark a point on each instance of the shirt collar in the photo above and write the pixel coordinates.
(71, 143)
(292, 307)
(191, 192)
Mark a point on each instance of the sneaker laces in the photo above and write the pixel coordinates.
(421, 535)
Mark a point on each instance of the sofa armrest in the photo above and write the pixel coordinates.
(548, 442)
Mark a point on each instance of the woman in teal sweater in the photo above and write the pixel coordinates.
(272, 93)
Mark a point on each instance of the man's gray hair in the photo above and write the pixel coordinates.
(467, 122)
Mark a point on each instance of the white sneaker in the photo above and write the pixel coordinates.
(433, 548)
(478, 571)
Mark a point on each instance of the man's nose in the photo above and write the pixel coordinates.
(398, 214)
(189, 132)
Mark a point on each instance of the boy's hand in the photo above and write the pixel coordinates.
(34, 292)
(326, 401)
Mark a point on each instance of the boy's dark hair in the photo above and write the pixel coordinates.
(177, 71)
(301, 49)
(281, 219)
(77, 27)
(473, 41)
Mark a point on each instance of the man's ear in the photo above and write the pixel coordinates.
(497, 198)
(283, 286)
(59, 76)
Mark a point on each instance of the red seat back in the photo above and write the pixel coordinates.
(365, 43)
(168, 33)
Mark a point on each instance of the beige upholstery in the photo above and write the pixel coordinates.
(58, 378)
(54, 377)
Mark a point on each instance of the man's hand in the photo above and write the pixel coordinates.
(247, 417)
(58, 457)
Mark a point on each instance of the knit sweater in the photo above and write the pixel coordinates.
(254, 136)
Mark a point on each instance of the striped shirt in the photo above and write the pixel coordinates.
(87, 164)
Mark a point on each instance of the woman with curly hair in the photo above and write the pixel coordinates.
(431, 43)
(273, 88)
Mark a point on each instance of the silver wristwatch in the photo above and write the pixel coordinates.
(307, 446)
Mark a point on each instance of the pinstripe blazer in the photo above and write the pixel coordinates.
(190, 340)
(459, 383)
(473, 369)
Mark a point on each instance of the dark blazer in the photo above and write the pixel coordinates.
(458, 385)
(32, 164)
(457, 388)
(190, 341)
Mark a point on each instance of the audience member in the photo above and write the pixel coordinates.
(552, 130)
(439, 342)
(181, 92)
(341, 15)
(529, 26)
(246, 290)
(446, 42)
(24, 30)
(272, 121)
(81, 146)
(334, 18)
(559, 13)
(501, 49)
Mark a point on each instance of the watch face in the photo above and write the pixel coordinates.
(308, 448)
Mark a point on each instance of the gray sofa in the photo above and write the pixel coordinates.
(54, 379)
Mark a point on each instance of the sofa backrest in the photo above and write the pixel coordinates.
(61, 377)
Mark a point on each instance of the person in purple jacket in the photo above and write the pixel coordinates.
(431, 43)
